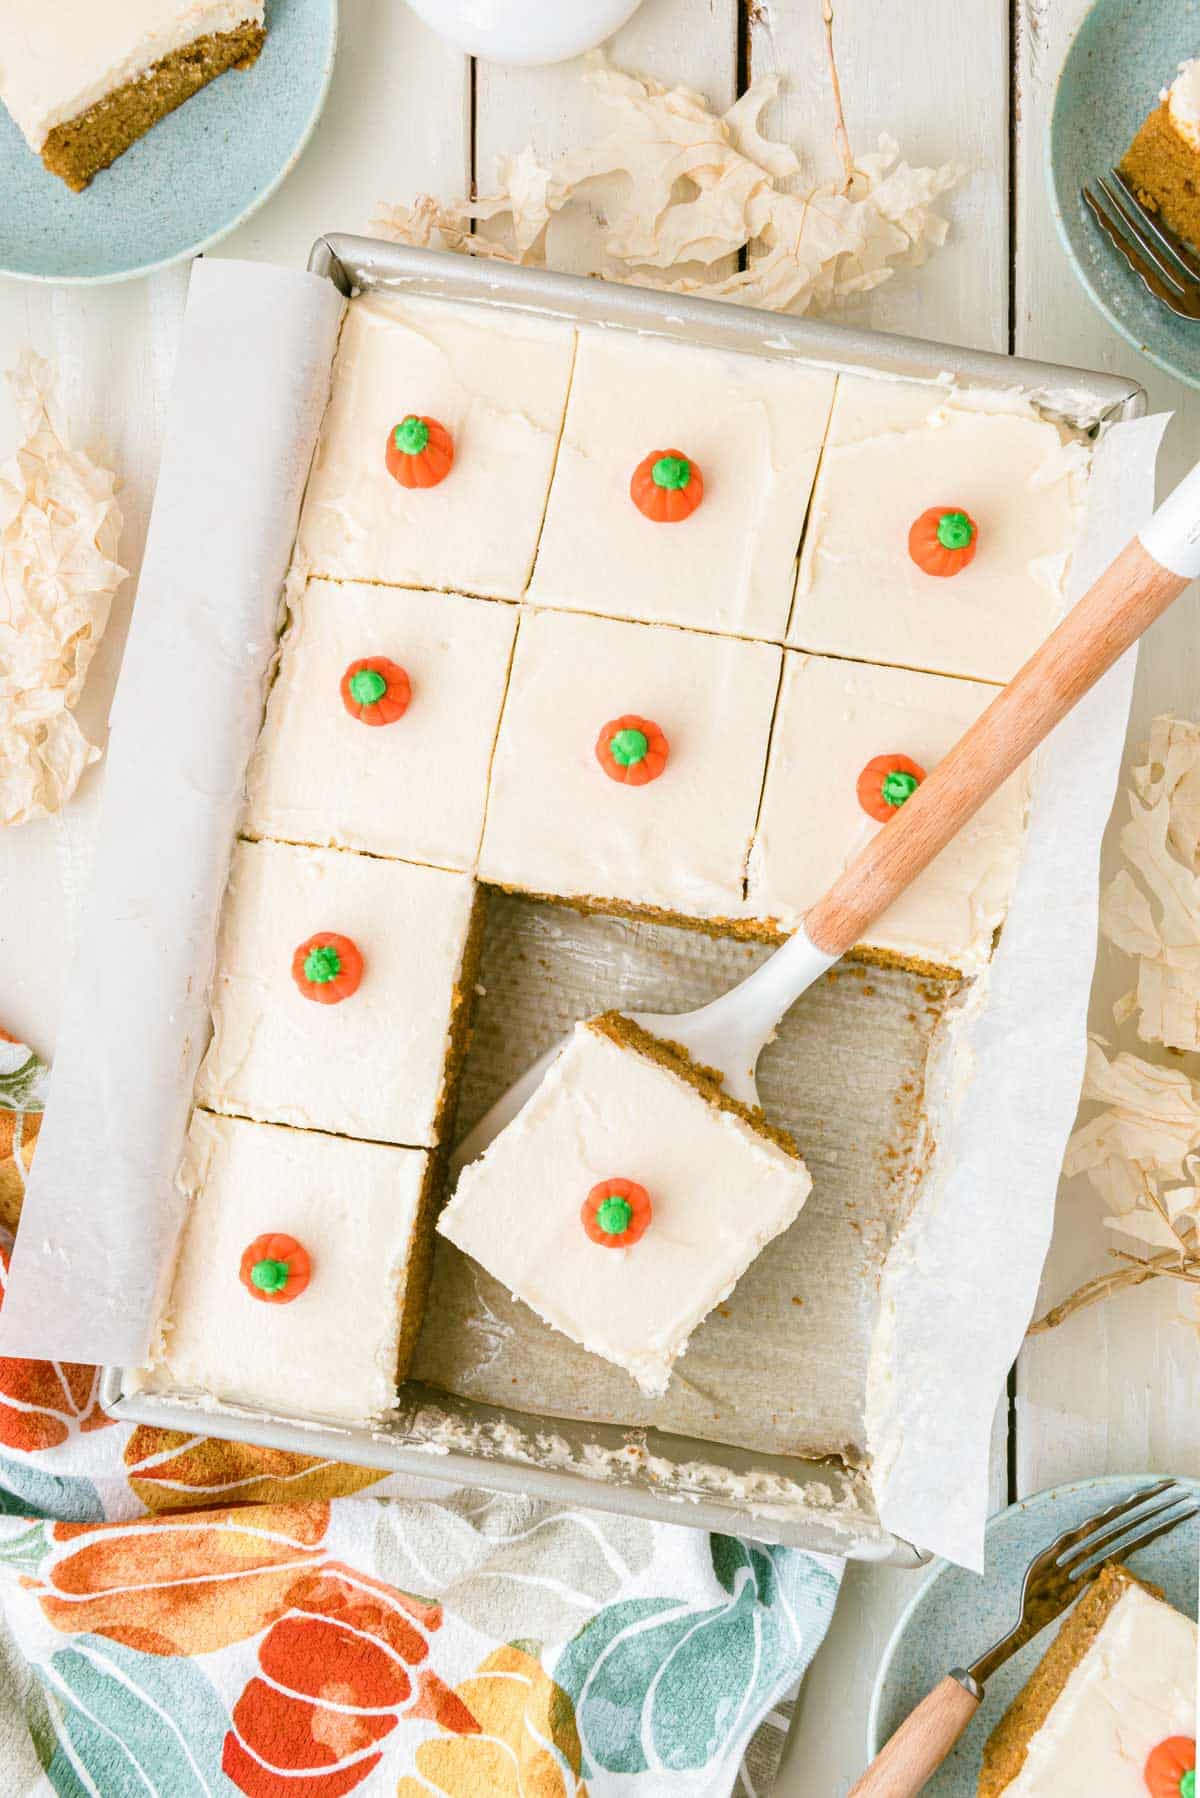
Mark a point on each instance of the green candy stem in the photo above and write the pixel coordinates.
(671, 471)
(614, 1216)
(269, 1276)
(367, 686)
(1187, 1785)
(955, 530)
(628, 747)
(322, 965)
(411, 435)
(898, 787)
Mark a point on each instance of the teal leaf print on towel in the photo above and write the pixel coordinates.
(669, 1687)
(125, 1723)
(29, 1491)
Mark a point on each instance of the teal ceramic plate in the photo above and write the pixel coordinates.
(955, 1616)
(1122, 55)
(191, 179)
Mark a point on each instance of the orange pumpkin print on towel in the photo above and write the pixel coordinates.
(172, 1471)
(43, 1403)
(180, 1585)
(527, 1745)
(338, 1671)
(18, 1136)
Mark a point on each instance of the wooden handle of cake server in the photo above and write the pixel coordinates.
(1134, 591)
(922, 1742)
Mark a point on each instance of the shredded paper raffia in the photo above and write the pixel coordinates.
(700, 188)
(59, 530)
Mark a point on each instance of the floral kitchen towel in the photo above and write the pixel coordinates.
(182, 1617)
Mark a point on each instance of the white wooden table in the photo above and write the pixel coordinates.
(1113, 1389)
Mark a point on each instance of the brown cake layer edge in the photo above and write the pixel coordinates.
(80, 147)
(1164, 170)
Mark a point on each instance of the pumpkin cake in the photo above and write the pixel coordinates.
(1110, 1708)
(381, 723)
(628, 767)
(302, 1271)
(84, 79)
(1163, 161)
(627, 1198)
(341, 992)
(434, 461)
(940, 532)
(740, 437)
(856, 741)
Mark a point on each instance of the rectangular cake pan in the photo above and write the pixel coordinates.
(818, 1496)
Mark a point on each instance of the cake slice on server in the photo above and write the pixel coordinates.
(628, 1196)
(84, 79)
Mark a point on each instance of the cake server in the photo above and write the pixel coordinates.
(1054, 1579)
(731, 1032)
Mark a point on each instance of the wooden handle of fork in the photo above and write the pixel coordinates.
(922, 1742)
(1127, 598)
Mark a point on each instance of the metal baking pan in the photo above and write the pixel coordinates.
(568, 1439)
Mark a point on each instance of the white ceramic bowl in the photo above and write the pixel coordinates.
(525, 31)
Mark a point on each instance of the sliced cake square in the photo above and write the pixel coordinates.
(495, 384)
(342, 986)
(660, 823)
(902, 455)
(627, 1198)
(1163, 161)
(301, 1272)
(751, 427)
(1116, 1686)
(841, 730)
(381, 724)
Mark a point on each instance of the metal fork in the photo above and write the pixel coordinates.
(1163, 262)
(1054, 1579)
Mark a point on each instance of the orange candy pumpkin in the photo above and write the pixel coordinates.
(1168, 1766)
(632, 750)
(666, 486)
(275, 1268)
(943, 540)
(420, 451)
(327, 968)
(376, 691)
(886, 782)
(617, 1213)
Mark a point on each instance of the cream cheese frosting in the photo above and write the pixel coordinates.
(719, 1190)
(498, 383)
(1133, 1688)
(895, 450)
(58, 57)
(834, 717)
(754, 427)
(354, 1207)
(414, 788)
(371, 1066)
(557, 824)
(1183, 101)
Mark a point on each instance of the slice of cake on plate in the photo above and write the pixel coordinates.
(301, 1273)
(84, 79)
(1110, 1711)
(1162, 163)
(342, 992)
(628, 1197)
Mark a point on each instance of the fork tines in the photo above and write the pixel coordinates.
(1123, 1528)
(1167, 267)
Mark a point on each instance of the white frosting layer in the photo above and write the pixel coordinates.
(896, 449)
(719, 1191)
(1135, 1686)
(558, 824)
(834, 717)
(332, 1352)
(372, 1065)
(58, 57)
(1183, 101)
(754, 428)
(414, 788)
(498, 382)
